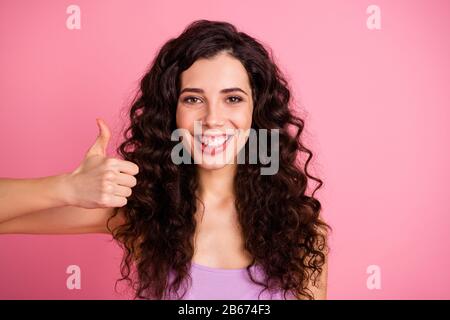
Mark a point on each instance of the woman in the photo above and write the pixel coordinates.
(214, 223)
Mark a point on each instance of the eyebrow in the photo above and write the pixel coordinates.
(227, 90)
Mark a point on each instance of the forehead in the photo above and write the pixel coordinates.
(219, 72)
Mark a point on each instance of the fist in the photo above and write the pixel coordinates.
(100, 181)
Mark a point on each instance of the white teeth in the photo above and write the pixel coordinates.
(212, 141)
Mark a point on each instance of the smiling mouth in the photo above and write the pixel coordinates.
(213, 144)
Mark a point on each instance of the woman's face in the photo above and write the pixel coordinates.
(215, 108)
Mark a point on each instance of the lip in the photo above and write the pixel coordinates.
(217, 149)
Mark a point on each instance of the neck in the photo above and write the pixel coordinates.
(216, 184)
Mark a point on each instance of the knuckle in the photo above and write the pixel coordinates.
(109, 175)
(104, 200)
(104, 184)
(107, 187)
(110, 162)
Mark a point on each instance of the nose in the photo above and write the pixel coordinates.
(213, 116)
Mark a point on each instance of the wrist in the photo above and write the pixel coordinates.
(64, 194)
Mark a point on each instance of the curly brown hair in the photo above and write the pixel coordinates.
(281, 226)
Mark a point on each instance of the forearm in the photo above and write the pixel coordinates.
(22, 196)
(61, 220)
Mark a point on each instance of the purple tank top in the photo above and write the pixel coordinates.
(229, 284)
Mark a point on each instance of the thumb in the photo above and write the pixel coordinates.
(101, 143)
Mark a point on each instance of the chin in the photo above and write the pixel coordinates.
(211, 166)
(214, 162)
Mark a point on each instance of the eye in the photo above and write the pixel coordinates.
(187, 99)
(238, 99)
(191, 99)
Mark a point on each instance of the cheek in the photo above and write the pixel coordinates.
(243, 119)
(184, 119)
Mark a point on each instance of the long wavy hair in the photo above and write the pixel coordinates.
(280, 224)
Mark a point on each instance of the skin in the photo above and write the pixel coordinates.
(218, 240)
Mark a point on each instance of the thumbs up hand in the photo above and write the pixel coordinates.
(101, 181)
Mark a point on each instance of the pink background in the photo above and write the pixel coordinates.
(378, 123)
